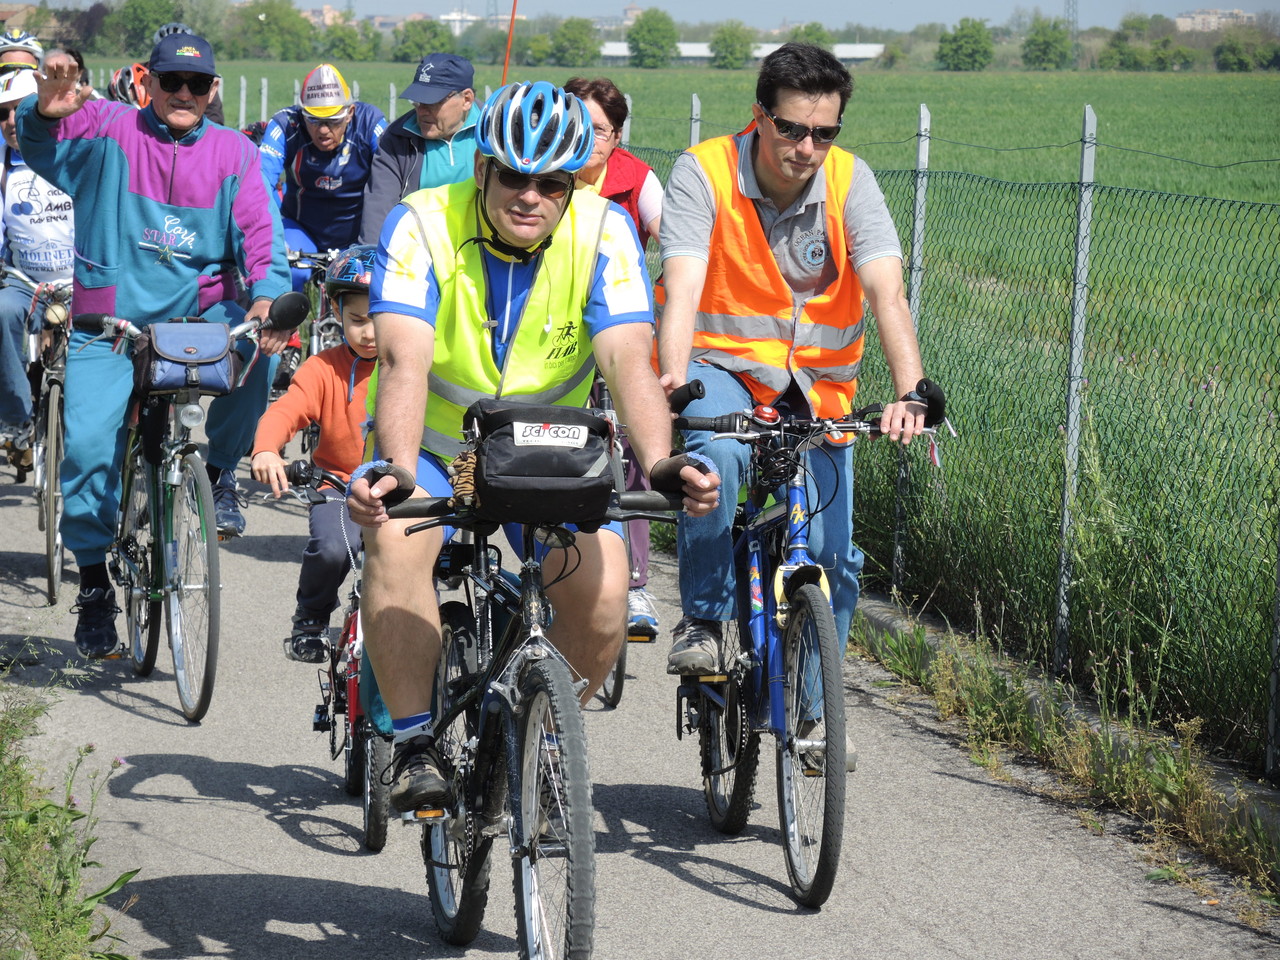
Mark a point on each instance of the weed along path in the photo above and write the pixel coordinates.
(247, 847)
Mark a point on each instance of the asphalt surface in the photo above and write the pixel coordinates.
(249, 848)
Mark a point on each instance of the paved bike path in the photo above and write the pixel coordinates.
(249, 848)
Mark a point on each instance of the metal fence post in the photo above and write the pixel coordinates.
(695, 121)
(915, 281)
(297, 91)
(1075, 376)
(264, 99)
(391, 102)
(1271, 762)
(244, 101)
(626, 124)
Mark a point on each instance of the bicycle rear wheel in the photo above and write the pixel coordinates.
(139, 564)
(730, 747)
(455, 855)
(193, 587)
(47, 457)
(811, 761)
(611, 689)
(552, 835)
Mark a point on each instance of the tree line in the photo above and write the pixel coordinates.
(276, 30)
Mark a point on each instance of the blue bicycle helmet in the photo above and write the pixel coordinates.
(535, 128)
(350, 271)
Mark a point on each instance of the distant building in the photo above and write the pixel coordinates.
(630, 14)
(458, 20)
(616, 52)
(1210, 21)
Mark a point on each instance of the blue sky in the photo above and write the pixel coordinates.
(833, 13)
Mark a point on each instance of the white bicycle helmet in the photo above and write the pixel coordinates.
(535, 128)
(16, 39)
(168, 29)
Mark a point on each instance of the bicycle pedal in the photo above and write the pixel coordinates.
(641, 638)
(320, 721)
(424, 815)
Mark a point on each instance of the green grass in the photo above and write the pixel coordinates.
(1209, 118)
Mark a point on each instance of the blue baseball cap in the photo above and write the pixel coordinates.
(182, 53)
(438, 75)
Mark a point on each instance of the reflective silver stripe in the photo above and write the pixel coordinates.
(565, 387)
(459, 396)
(819, 335)
(440, 443)
(464, 396)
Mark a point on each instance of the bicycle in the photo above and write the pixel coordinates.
(47, 356)
(165, 553)
(321, 329)
(780, 657)
(345, 686)
(510, 733)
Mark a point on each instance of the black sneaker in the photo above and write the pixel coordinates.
(96, 636)
(695, 646)
(417, 780)
(226, 506)
(309, 642)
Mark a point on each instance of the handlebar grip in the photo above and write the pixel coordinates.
(420, 508)
(299, 473)
(405, 483)
(728, 423)
(650, 500)
(682, 396)
(92, 322)
(934, 399)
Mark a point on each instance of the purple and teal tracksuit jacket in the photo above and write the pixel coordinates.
(163, 228)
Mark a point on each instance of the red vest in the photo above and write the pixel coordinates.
(624, 175)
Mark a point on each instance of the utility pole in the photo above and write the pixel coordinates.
(1072, 15)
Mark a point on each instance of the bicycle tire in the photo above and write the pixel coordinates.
(193, 587)
(455, 856)
(49, 440)
(730, 748)
(354, 761)
(135, 541)
(375, 791)
(552, 834)
(811, 785)
(611, 689)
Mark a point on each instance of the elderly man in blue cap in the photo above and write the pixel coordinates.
(430, 146)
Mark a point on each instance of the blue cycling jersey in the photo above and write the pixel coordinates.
(322, 192)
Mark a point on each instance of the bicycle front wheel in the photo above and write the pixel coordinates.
(48, 461)
(552, 834)
(730, 747)
(811, 761)
(139, 564)
(193, 587)
(456, 856)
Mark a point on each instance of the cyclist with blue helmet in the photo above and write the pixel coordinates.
(329, 390)
(506, 284)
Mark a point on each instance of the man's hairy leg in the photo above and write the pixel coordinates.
(590, 606)
(400, 615)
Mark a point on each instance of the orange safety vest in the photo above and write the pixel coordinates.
(747, 322)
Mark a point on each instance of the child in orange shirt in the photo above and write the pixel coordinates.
(328, 389)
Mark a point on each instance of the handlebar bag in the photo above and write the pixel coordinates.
(540, 464)
(186, 354)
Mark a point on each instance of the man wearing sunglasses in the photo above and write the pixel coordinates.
(172, 219)
(322, 148)
(19, 50)
(506, 285)
(771, 240)
(429, 146)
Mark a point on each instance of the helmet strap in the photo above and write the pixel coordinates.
(495, 242)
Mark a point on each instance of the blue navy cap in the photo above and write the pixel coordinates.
(182, 53)
(438, 75)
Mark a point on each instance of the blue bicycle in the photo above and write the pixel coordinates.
(780, 660)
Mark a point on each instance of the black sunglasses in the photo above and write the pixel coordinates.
(4, 114)
(553, 188)
(790, 130)
(173, 82)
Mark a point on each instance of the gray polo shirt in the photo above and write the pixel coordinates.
(797, 235)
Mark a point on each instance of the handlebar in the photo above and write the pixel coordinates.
(632, 505)
(305, 473)
(286, 312)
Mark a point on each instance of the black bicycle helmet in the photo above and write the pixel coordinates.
(350, 271)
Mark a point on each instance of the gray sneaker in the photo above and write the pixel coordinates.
(695, 646)
(642, 618)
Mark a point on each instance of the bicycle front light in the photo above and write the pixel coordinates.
(191, 415)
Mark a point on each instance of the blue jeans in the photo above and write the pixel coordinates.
(15, 389)
(707, 579)
(99, 384)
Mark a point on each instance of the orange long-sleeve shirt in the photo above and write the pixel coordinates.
(328, 389)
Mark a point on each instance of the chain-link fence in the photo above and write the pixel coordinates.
(1112, 511)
